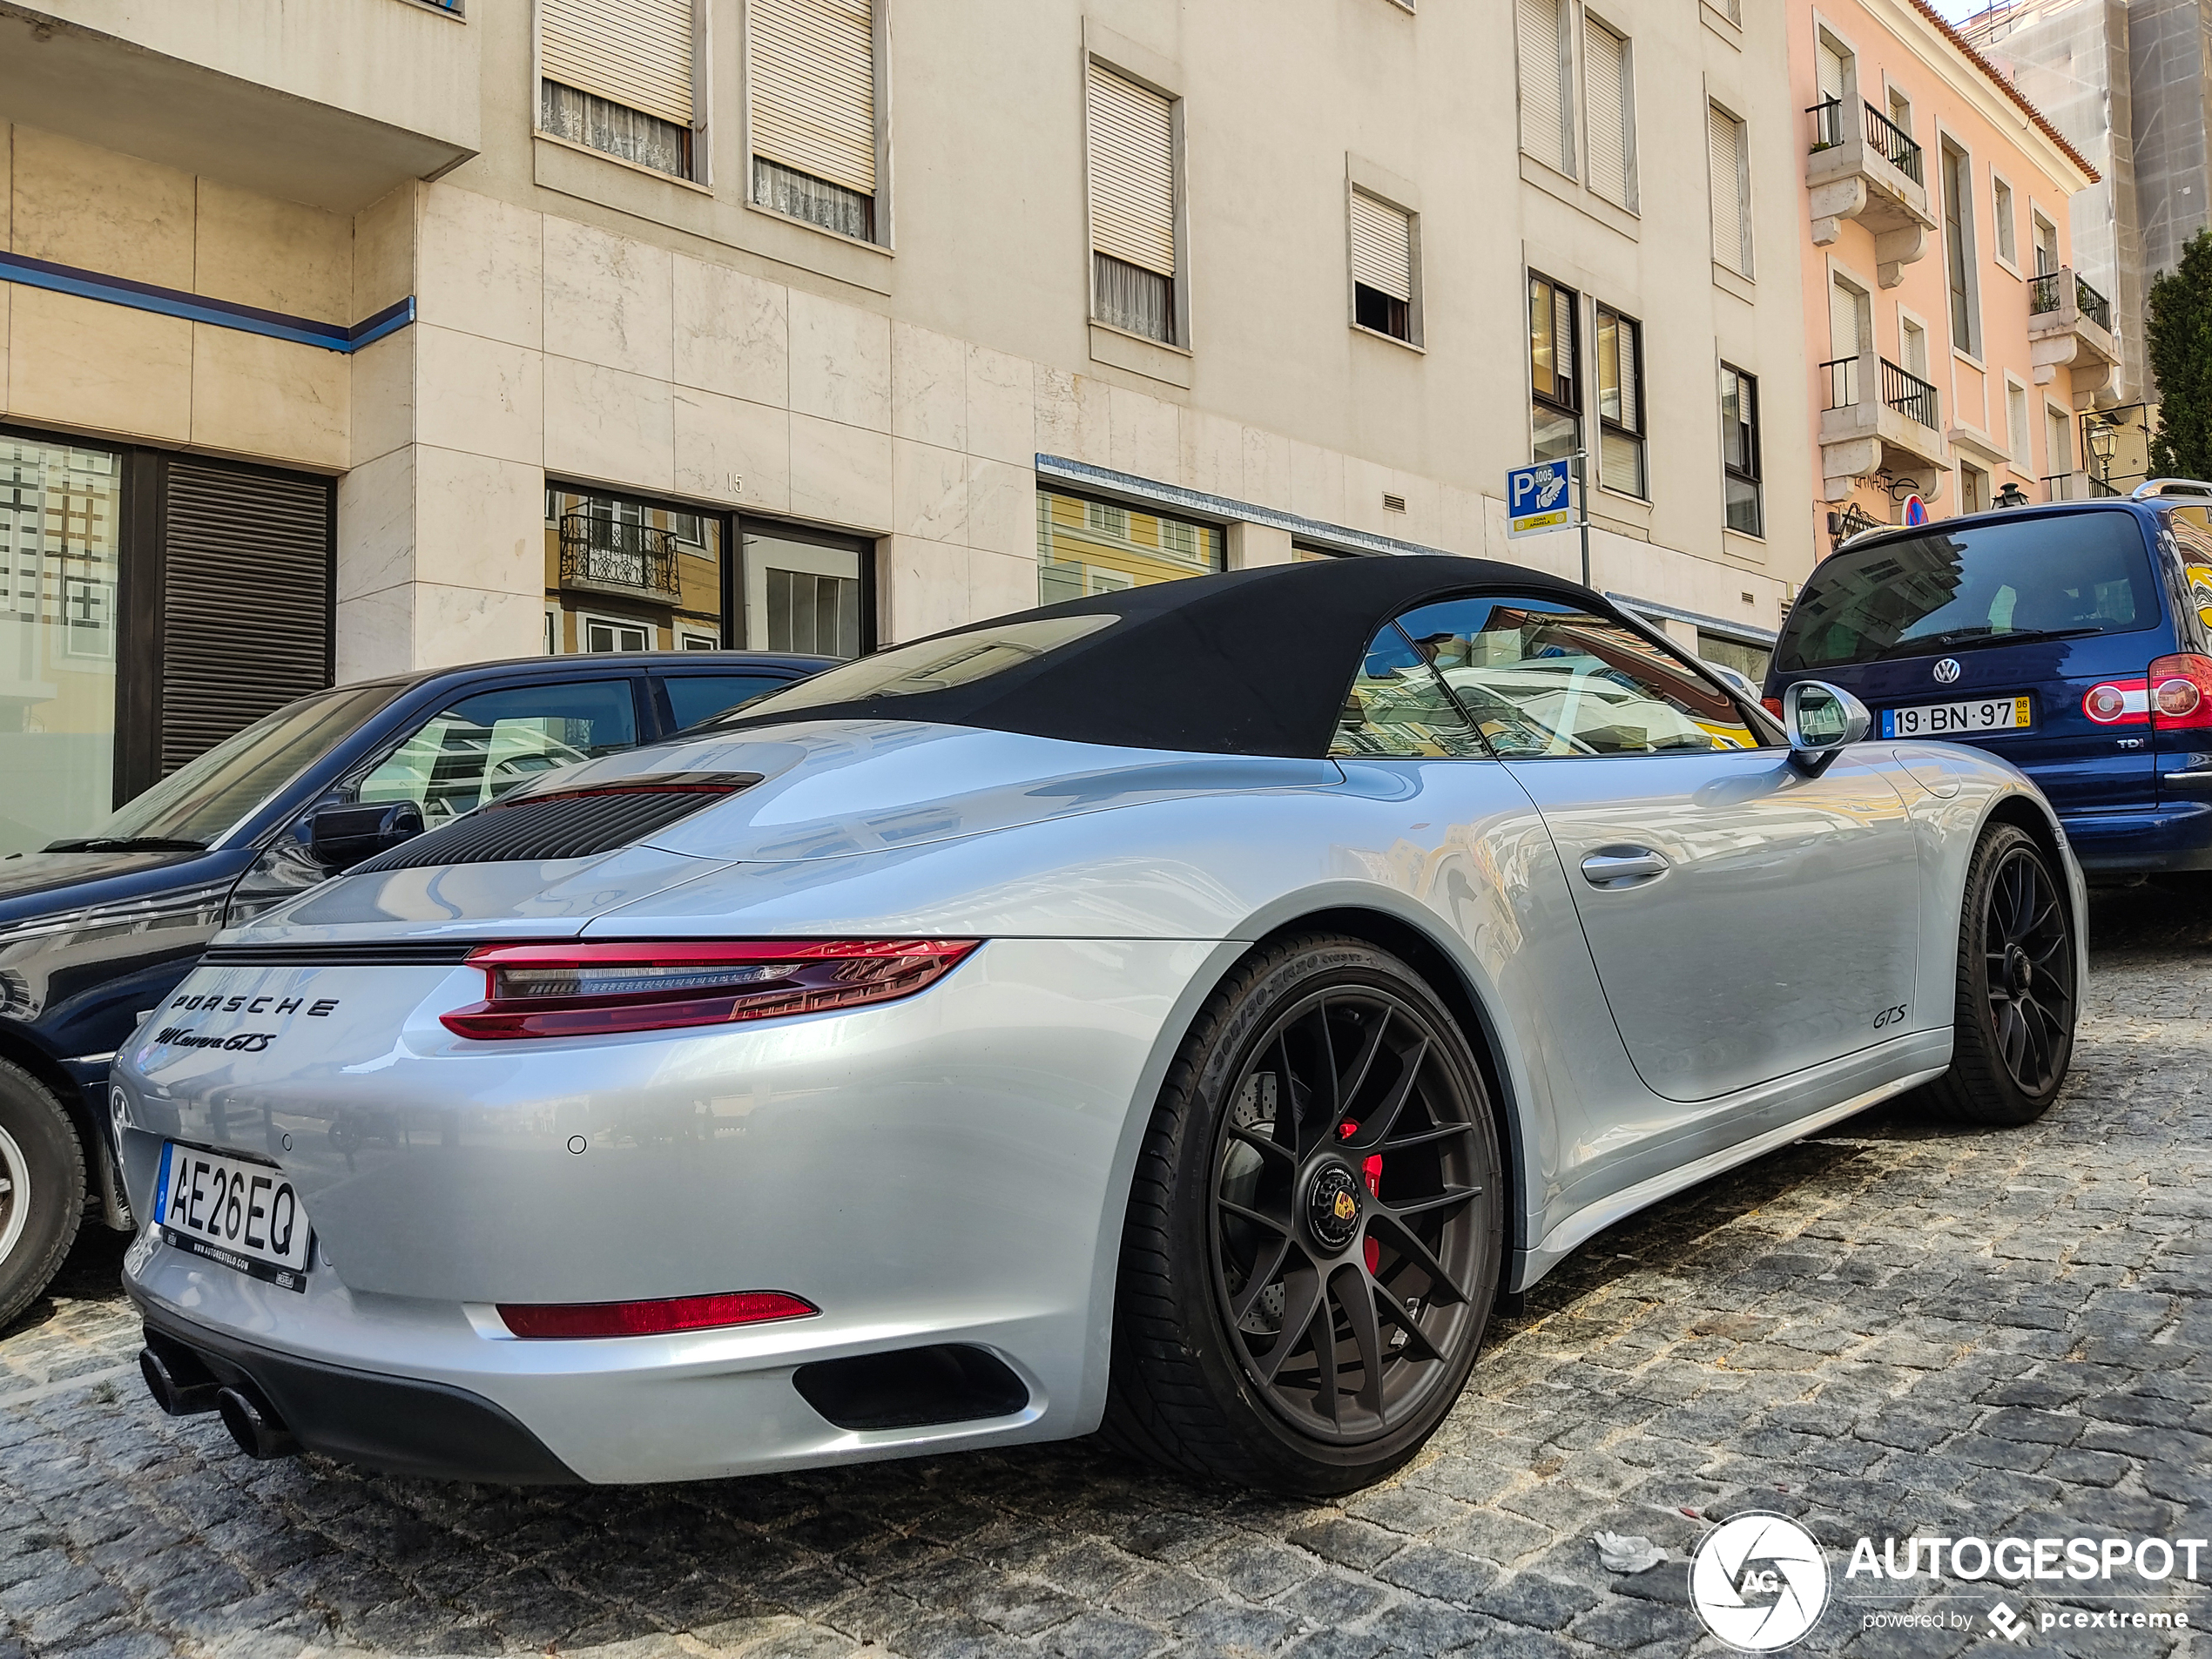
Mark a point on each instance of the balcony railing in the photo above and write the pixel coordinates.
(2046, 292)
(1908, 394)
(2093, 305)
(1895, 143)
(612, 554)
(2076, 486)
(1827, 123)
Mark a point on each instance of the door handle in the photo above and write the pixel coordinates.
(1622, 867)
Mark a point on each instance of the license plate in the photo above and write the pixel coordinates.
(1948, 719)
(246, 1216)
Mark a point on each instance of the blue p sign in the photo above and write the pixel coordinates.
(1536, 498)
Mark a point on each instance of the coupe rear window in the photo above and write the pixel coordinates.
(2006, 582)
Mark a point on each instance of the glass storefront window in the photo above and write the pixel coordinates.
(802, 596)
(59, 519)
(1086, 547)
(624, 574)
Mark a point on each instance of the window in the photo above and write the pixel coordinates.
(661, 568)
(1609, 107)
(1546, 133)
(1133, 201)
(2017, 439)
(1398, 709)
(811, 68)
(619, 77)
(1556, 414)
(1750, 661)
(1832, 68)
(1959, 251)
(1383, 268)
(694, 698)
(1973, 488)
(1535, 678)
(805, 593)
(1086, 547)
(2058, 441)
(1914, 339)
(1730, 166)
(1900, 111)
(2000, 210)
(2046, 246)
(1740, 451)
(1619, 403)
(483, 746)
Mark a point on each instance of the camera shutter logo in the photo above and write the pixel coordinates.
(1946, 671)
(1759, 1582)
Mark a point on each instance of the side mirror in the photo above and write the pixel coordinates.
(1821, 719)
(341, 837)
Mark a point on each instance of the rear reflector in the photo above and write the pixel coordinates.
(597, 990)
(652, 1318)
(2117, 702)
(2181, 692)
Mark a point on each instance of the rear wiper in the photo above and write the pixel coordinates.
(1975, 638)
(125, 843)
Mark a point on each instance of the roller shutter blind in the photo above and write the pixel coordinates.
(1382, 247)
(1605, 92)
(636, 53)
(812, 77)
(1132, 172)
(1724, 149)
(245, 600)
(1543, 83)
(1832, 72)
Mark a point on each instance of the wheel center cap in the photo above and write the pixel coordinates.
(2020, 973)
(1333, 1204)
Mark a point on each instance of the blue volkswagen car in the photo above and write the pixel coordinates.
(96, 929)
(2075, 640)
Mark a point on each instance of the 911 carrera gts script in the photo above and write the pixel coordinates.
(183, 1036)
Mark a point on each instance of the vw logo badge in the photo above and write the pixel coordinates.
(1946, 671)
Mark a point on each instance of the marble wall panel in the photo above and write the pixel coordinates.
(609, 299)
(732, 333)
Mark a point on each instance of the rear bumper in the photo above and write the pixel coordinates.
(2168, 838)
(398, 1425)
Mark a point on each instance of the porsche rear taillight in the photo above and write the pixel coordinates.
(597, 990)
(660, 1318)
(2181, 692)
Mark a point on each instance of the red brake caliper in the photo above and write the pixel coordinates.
(1371, 1168)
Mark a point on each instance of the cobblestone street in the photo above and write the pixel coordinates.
(1885, 1329)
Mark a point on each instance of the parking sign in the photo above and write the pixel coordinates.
(1540, 498)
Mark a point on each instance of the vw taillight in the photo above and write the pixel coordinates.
(597, 990)
(2181, 692)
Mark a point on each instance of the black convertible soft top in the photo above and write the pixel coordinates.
(1249, 662)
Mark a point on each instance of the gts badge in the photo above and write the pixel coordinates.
(1889, 1017)
(183, 1036)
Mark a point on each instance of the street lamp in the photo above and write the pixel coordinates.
(2103, 441)
(2011, 495)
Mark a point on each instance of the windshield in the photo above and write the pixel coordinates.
(2076, 573)
(926, 665)
(204, 798)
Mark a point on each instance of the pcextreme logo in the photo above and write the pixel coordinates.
(1759, 1582)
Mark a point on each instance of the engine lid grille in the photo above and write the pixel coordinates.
(576, 823)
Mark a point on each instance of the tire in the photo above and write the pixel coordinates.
(1250, 1206)
(42, 1167)
(2016, 997)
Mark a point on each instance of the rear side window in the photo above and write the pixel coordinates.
(2008, 581)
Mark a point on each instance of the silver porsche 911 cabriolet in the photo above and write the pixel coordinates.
(1180, 1012)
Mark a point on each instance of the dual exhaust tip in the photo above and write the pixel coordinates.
(183, 1386)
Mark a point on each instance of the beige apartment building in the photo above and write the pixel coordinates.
(348, 336)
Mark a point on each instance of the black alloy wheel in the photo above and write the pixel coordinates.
(1315, 1234)
(2012, 1035)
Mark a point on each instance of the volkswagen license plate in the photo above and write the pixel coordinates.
(1949, 720)
(246, 1216)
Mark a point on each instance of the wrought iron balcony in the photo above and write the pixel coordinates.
(2076, 486)
(611, 556)
(2046, 292)
(1867, 170)
(2069, 326)
(1878, 418)
(1907, 393)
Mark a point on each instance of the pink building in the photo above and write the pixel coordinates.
(1956, 343)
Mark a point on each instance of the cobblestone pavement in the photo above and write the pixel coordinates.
(1885, 1329)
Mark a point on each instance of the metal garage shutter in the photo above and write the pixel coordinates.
(1132, 172)
(1605, 90)
(810, 67)
(1382, 247)
(1543, 83)
(245, 600)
